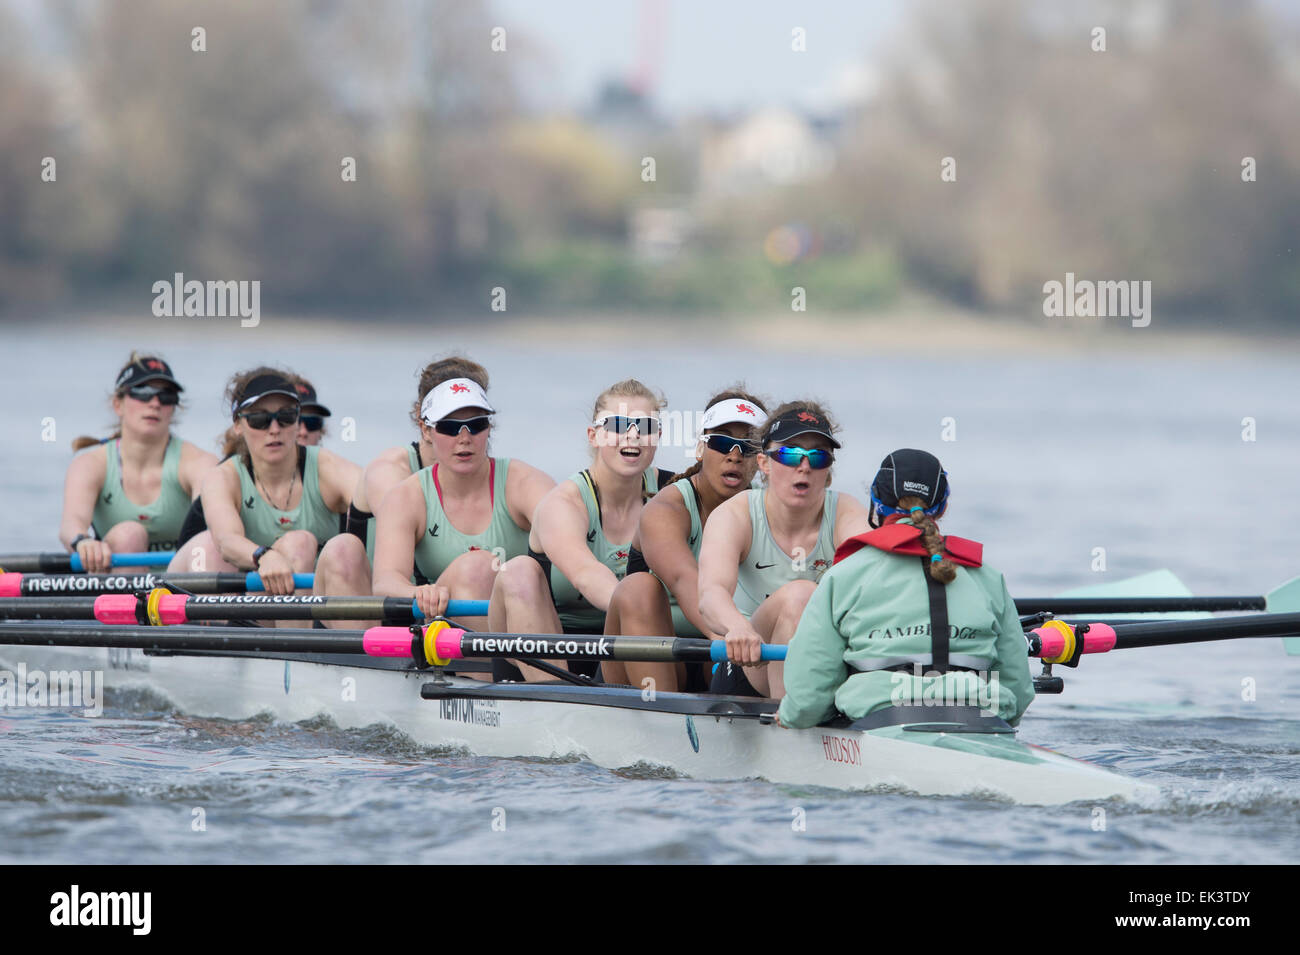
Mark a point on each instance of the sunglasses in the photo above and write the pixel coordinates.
(146, 393)
(622, 424)
(312, 422)
(453, 426)
(818, 458)
(261, 420)
(725, 444)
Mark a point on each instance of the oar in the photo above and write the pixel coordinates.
(437, 644)
(32, 585)
(1058, 642)
(1091, 605)
(63, 563)
(170, 609)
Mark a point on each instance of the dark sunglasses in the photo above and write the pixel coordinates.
(818, 458)
(622, 424)
(146, 393)
(725, 444)
(312, 422)
(452, 426)
(261, 420)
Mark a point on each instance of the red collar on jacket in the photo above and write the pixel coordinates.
(895, 538)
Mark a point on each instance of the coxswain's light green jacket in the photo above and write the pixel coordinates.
(874, 605)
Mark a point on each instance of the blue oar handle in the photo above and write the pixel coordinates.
(253, 582)
(153, 558)
(457, 608)
(769, 651)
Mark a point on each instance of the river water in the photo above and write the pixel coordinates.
(1075, 466)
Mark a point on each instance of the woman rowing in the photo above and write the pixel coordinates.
(660, 593)
(131, 493)
(765, 549)
(273, 504)
(312, 414)
(582, 533)
(903, 599)
(458, 520)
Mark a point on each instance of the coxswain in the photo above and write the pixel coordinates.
(765, 549)
(907, 615)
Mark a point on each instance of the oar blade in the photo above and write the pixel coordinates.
(1285, 598)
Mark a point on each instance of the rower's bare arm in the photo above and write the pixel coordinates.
(81, 485)
(221, 509)
(380, 476)
(525, 488)
(850, 518)
(663, 529)
(338, 479)
(194, 467)
(399, 524)
(561, 529)
(726, 541)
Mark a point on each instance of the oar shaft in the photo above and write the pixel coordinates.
(186, 608)
(33, 585)
(453, 644)
(265, 639)
(71, 563)
(1093, 605)
(1056, 640)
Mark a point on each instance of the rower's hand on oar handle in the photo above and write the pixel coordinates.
(96, 556)
(432, 600)
(276, 573)
(744, 646)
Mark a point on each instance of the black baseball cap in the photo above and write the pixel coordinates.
(145, 369)
(910, 473)
(799, 421)
(307, 399)
(260, 387)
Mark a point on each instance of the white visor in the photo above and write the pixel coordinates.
(452, 396)
(731, 410)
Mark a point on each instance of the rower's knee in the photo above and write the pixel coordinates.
(300, 549)
(344, 557)
(198, 555)
(472, 573)
(791, 599)
(128, 537)
(520, 580)
(636, 591)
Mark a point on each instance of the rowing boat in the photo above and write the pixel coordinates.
(944, 751)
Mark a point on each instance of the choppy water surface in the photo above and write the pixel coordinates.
(1146, 461)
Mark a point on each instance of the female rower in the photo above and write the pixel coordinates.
(312, 414)
(660, 593)
(273, 504)
(904, 598)
(565, 583)
(457, 521)
(131, 493)
(765, 549)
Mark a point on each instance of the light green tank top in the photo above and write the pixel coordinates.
(442, 543)
(162, 518)
(767, 567)
(682, 626)
(576, 613)
(265, 524)
(413, 459)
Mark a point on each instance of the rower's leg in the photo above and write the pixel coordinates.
(199, 555)
(521, 603)
(639, 607)
(128, 537)
(343, 570)
(776, 621)
(300, 548)
(470, 577)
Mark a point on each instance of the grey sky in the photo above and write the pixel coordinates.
(717, 55)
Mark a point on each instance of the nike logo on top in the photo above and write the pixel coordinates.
(758, 566)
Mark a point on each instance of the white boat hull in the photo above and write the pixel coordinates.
(701, 746)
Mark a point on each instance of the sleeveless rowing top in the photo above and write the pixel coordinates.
(767, 567)
(682, 625)
(442, 543)
(162, 518)
(412, 459)
(265, 524)
(577, 615)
